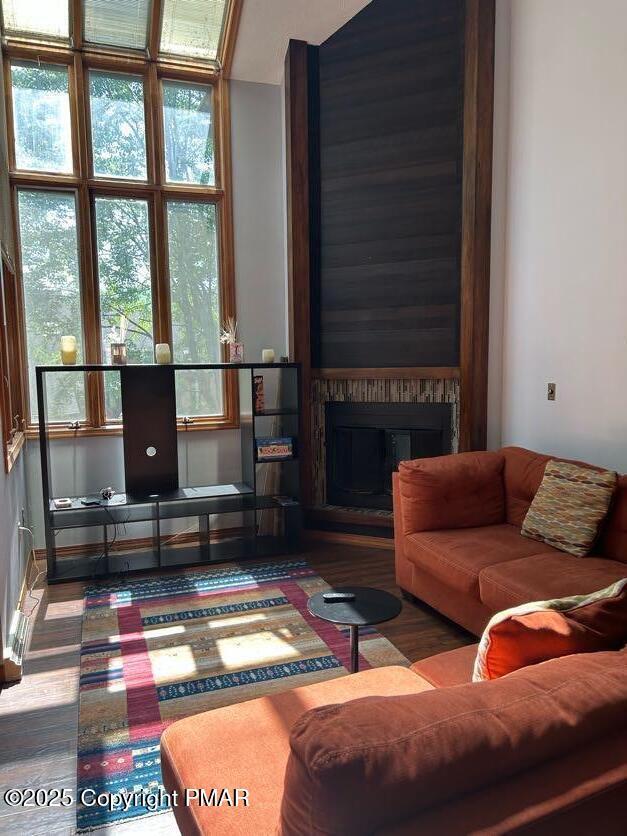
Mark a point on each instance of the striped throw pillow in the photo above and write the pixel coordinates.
(569, 506)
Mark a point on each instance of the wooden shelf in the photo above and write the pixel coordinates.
(109, 367)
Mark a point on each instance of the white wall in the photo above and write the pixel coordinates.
(259, 216)
(14, 545)
(563, 235)
(89, 464)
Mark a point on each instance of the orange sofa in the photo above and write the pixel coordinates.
(398, 752)
(458, 545)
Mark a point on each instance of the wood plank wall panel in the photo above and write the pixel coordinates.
(298, 163)
(391, 115)
(476, 221)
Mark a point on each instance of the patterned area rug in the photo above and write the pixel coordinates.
(158, 649)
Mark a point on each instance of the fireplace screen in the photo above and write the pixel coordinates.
(366, 442)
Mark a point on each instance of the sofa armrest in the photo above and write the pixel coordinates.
(370, 763)
(459, 491)
(398, 515)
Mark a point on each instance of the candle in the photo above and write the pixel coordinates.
(267, 355)
(68, 350)
(118, 354)
(162, 353)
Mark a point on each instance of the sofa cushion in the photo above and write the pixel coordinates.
(543, 576)
(542, 630)
(423, 749)
(522, 474)
(564, 797)
(613, 540)
(456, 557)
(453, 667)
(461, 491)
(569, 506)
(247, 745)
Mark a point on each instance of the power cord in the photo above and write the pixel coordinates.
(112, 543)
(38, 575)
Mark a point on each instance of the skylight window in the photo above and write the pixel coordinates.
(44, 20)
(122, 23)
(192, 28)
(187, 29)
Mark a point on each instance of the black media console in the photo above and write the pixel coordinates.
(264, 504)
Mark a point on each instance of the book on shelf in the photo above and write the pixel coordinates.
(274, 449)
(259, 398)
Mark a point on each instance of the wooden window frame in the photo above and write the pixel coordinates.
(12, 409)
(80, 59)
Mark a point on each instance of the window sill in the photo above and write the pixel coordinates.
(84, 431)
(12, 450)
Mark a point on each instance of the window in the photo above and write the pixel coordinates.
(32, 17)
(125, 287)
(118, 131)
(121, 23)
(199, 31)
(52, 298)
(194, 290)
(41, 117)
(192, 27)
(11, 398)
(119, 173)
(188, 133)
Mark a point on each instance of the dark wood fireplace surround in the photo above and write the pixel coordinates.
(389, 252)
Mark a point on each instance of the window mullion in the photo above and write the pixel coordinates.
(90, 306)
(151, 115)
(90, 302)
(160, 272)
(156, 124)
(154, 32)
(226, 261)
(225, 208)
(76, 23)
(8, 98)
(5, 383)
(20, 313)
(230, 26)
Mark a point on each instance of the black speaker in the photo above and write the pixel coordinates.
(149, 416)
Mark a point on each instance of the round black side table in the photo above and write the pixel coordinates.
(369, 606)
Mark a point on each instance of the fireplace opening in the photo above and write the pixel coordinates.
(366, 441)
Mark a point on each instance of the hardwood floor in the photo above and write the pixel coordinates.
(418, 632)
(39, 716)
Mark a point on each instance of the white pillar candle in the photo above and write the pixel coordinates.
(267, 355)
(162, 353)
(68, 350)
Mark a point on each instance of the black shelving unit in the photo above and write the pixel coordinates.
(248, 499)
